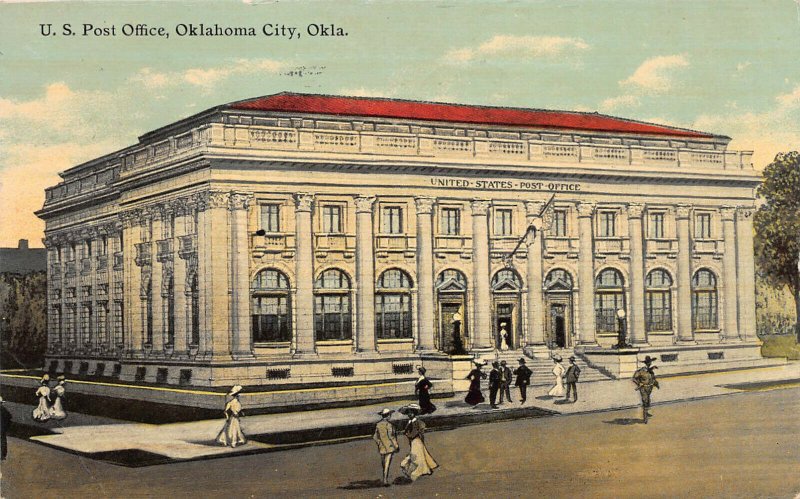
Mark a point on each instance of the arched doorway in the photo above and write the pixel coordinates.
(558, 307)
(506, 290)
(451, 293)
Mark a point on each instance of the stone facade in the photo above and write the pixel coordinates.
(261, 247)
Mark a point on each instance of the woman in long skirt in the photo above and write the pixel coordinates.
(57, 411)
(474, 395)
(42, 411)
(231, 434)
(419, 461)
(558, 372)
(423, 391)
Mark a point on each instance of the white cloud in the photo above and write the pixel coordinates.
(366, 92)
(207, 78)
(621, 102)
(743, 65)
(656, 75)
(525, 47)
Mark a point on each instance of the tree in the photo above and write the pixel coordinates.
(23, 317)
(777, 225)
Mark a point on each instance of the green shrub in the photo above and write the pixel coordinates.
(780, 346)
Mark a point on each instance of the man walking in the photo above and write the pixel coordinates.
(523, 375)
(573, 371)
(386, 437)
(645, 380)
(5, 423)
(494, 383)
(505, 381)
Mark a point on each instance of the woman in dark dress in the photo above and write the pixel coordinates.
(423, 390)
(474, 396)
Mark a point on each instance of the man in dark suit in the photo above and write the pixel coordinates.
(495, 376)
(523, 375)
(5, 423)
(573, 371)
(645, 380)
(505, 381)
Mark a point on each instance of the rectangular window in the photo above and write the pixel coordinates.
(332, 219)
(118, 322)
(102, 314)
(70, 292)
(55, 322)
(57, 254)
(86, 322)
(86, 291)
(704, 310)
(72, 252)
(88, 248)
(392, 222)
(103, 249)
(608, 224)
(658, 311)
(702, 226)
(69, 323)
(332, 317)
(270, 218)
(559, 227)
(656, 226)
(393, 316)
(502, 222)
(450, 222)
(271, 319)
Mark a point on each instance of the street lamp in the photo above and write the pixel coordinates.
(622, 324)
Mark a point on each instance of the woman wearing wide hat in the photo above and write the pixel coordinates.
(474, 395)
(231, 434)
(558, 373)
(57, 411)
(42, 411)
(419, 461)
(423, 392)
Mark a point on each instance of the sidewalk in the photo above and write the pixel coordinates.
(136, 444)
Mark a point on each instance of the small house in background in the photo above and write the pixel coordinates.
(23, 259)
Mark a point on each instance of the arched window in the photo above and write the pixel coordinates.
(658, 301)
(195, 290)
(271, 310)
(558, 280)
(704, 300)
(451, 278)
(393, 305)
(506, 280)
(332, 306)
(609, 296)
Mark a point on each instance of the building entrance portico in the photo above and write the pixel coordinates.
(506, 293)
(451, 287)
(558, 307)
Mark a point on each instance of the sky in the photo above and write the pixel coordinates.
(727, 67)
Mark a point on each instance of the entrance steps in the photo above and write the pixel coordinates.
(542, 367)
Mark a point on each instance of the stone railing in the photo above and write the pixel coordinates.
(708, 246)
(118, 261)
(163, 249)
(395, 242)
(187, 245)
(457, 243)
(334, 242)
(143, 254)
(661, 246)
(273, 243)
(611, 245)
(560, 245)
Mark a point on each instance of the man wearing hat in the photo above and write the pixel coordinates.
(495, 378)
(386, 437)
(523, 374)
(645, 380)
(5, 422)
(573, 371)
(505, 381)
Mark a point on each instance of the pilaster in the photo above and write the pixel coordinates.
(586, 328)
(304, 276)
(636, 274)
(482, 293)
(425, 293)
(240, 275)
(684, 275)
(365, 275)
(182, 314)
(730, 330)
(535, 303)
(745, 273)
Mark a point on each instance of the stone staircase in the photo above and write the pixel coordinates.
(543, 367)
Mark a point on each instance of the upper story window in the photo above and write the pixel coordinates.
(332, 219)
(87, 247)
(270, 218)
(607, 224)
(103, 248)
(559, 227)
(57, 254)
(72, 252)
(392, 220)
(702, 226)
(655, 225)
(502, 222)
(450, 221)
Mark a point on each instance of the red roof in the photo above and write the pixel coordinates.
(455, 113)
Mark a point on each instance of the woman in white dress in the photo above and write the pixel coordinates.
(42, 411)
(231, 434)
(503, 337)
(57, 411)
(418, 462)
(558, 372)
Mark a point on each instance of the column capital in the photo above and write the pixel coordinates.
(745, 212)
(424, 205)
(480, 207)
(533, 209)
(240, 200)
(635, 210)
(219, 199)
(682, 211)
(727, 213)
(303, 201)
(364, 203)
(585, 209)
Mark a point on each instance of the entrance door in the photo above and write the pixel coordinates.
(559, 326)
(451, 323)
(504, 321)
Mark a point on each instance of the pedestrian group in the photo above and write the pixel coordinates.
(51, 405)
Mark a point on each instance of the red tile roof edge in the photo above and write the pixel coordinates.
(377, 107)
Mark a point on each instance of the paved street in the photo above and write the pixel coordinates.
(742, 445)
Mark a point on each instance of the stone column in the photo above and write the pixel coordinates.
(636, 318)
(730, 331)
(200, 202)
(108, 341)
(365, 275)
(240, 272)
(216, 231)
(684, 277)
(482, 292)
(304, 275)
(180, 286)
(586, 330)
(132, 278)
(157, 283)
(535, 302)
(746, 273)
(425, 293)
